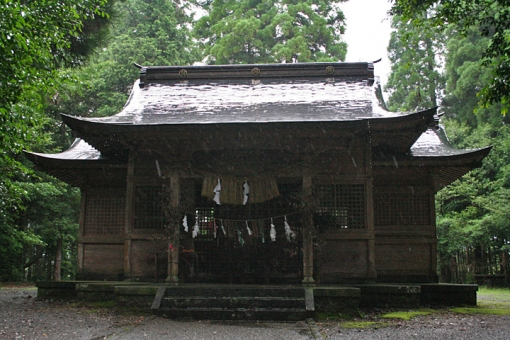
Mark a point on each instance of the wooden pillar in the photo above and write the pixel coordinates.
(308, 232)
(173, 246)
(433, 244)
(81, 231)
(369, 194)
(369, 190)
(130, 192)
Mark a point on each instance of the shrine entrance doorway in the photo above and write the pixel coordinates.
(253, 243)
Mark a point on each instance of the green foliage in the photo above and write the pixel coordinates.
(147, 32)
(43, 211)
(472, 219)
(36, 38)
(415, 81)
(465, 77)
(51, 213)
(473, 211)
(266, 31)
(491, 18)
(38, 213)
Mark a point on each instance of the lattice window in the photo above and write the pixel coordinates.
(205, 219)
(341, 206)
(402, 209)
(148, 209)
(105, 212)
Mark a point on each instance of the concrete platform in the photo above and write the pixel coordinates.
(390, 296)
(444, 294)
(278, 302)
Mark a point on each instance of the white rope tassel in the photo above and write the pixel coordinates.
(246, 192)
(288, 232)
(248, 229)
(272, 232)
(196, 228)
(185, 223)
(217, 191)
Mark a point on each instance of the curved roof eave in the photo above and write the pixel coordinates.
(79, 154)
(434, 146)
(94, 127)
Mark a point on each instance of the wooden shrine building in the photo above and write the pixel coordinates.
(283, 173)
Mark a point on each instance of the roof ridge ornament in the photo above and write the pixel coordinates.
(143, 75)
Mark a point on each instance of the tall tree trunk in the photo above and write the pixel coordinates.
(479, 260)
(504, 264)
(430, 66)
(490, 262)
(58, 260)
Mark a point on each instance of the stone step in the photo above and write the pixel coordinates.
(281, 314)
(232, 302)
(235, 292)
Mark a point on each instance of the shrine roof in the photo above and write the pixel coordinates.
(271, 93)
(79, 150)
(433, 143)
(72, 165)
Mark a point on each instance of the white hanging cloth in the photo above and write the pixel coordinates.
(217, 191)
(248, 229)
(240, 237)
(215, 230)
(196, 228)
(223, 228)
(288, 232)
(272, 232)
(185, 223)
(246, 192)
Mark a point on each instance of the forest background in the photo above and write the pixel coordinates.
(76, 57)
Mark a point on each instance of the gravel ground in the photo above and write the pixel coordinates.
(24, 317)
(442, 326)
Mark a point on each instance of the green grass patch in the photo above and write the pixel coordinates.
(363, 324)
(407, 315)
(494, 294)
(480, 310)
(494, 304)
(18, 285)
(485, 307)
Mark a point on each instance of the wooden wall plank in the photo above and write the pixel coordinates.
(107, 259)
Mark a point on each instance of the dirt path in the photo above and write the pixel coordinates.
(24, 317)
